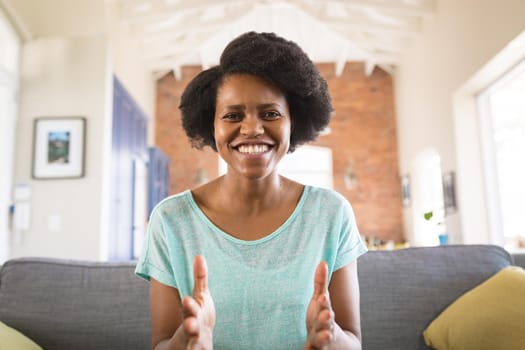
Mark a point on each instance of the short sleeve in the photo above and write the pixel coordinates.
(155, 260)
(350, 245)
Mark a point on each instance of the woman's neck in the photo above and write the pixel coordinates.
(252, 194)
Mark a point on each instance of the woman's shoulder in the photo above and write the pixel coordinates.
(325, 200)
(173, 203)
(325, 195)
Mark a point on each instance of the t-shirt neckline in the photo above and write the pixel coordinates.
(189, 196)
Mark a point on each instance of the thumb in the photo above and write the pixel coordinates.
(200, 275)
(320, 277)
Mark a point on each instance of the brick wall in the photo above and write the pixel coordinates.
(363, 141)
(186, 163)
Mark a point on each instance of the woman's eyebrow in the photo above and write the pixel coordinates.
(234, 107)
(269, 105)
(240, 107)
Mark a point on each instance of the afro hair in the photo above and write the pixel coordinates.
(270, 57)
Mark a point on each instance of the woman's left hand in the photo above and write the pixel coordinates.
(320, 318)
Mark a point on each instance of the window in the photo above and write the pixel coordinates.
(502, 121)
(310, 165)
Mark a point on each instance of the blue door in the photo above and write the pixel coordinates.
(158, 177)
(129, 149)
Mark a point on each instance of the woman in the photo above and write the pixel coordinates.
(253, 260)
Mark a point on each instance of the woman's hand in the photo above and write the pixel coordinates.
(320, 319)
(199, 310)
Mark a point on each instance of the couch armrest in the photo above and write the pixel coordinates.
(519, 259)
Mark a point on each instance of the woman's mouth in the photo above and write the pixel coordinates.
(253, 149)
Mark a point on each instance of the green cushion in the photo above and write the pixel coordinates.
(12, 339)
(488, 317)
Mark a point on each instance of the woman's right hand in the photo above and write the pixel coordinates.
(199, 310)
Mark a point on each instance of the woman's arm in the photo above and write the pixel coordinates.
(333, 317)
(186, 324)
(166, 316)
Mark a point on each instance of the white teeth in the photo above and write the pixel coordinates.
(253, 149)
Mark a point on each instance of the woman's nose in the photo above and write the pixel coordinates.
(252, 126)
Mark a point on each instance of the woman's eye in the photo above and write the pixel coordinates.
(232, 117)
(271, 115)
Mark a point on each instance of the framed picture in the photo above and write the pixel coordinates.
(58, 147)
(449, 192)
(405, 190)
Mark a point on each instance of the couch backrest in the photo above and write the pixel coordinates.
(76, 305)
(85, 305)
(403, 291)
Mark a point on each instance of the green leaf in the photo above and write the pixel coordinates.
(428, 215)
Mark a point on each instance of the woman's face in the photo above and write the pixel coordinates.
(252, 125)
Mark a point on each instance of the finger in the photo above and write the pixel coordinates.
(324, 301)
(193, 344)
(200, 275)
(191, 326)
(324, 330)
(321, 339)
(324, 321)
(320, 277)
(190, 307)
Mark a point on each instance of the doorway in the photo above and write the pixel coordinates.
(427, 197)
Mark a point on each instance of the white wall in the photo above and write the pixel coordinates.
(64, 77)
(71, 50)
(460, 38)
(9, 65)
(128, 67)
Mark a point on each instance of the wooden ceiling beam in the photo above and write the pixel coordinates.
(388, 43)
(190, 33)
(418, 8)
(172, 33)
(404, 26)
(373, 29)
(178, 49)
(190, 22)
(396, 23)
(139, 11)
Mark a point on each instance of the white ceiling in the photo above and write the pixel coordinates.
(173, 33)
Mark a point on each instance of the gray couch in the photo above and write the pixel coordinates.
(85, 305)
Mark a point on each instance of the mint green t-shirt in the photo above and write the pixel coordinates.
(261, 289)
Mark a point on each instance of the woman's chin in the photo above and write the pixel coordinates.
(256, 174)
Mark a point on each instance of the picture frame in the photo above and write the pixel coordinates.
(405, 190)
(58, 147)
(449, 192)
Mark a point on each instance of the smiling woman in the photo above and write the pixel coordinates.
(252, 225)
(252, 125)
